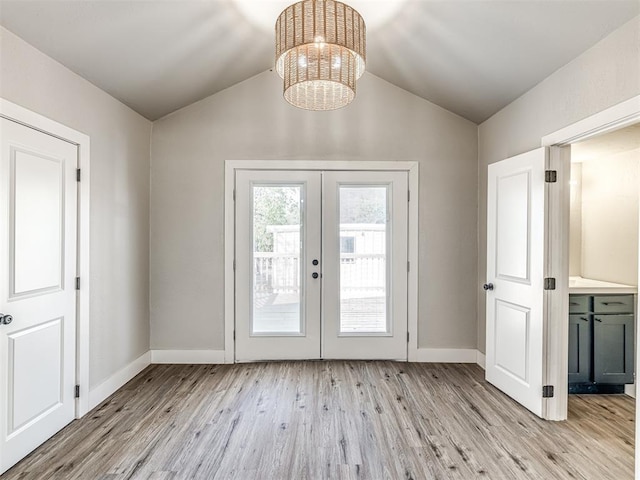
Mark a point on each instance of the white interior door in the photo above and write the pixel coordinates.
(515, 271)
(37, 289)
(365, 265)
(321, 265)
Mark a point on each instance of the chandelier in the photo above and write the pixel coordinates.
(320, 53)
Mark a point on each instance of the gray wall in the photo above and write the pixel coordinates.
(252, 121)
(603, 76)
(610, 218)
(120, 138)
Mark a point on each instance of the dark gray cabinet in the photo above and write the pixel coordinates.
(601, 339)
(613, 348)
(579, 348)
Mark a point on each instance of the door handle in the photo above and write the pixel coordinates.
(488, 286)
(314, 274)
(315, 262)
(597, 319)
(5, 319)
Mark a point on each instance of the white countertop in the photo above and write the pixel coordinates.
(590, 286)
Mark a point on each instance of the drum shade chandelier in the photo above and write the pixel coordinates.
(320, 53)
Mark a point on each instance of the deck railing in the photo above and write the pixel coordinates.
(360, 273)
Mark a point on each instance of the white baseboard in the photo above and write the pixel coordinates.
(481, 359)
(101, 392)
(445, 355)
(187, 356)
(630, 389)
(427, 355)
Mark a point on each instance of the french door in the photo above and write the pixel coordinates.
(321, 265)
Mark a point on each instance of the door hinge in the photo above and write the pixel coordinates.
(547, 391)
(234, 195)
(408, 266)
(407, 337)
(77, 391)
(549, 283)
(77, 283)
(550, 176)
(234, 265)
(408, 195)
(234, 334)
(78, 175)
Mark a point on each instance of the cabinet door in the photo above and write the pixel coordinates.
(613, 349)
(579, 348)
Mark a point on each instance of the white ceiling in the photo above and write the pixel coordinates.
(471, 57)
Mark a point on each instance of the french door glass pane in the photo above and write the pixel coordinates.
(277, 215)
(363, 259)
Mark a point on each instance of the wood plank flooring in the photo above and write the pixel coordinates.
(332, 420)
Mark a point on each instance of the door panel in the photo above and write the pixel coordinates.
(38, 208)
(365, 265)
(36, 382)
(515, 270)
(277, 239)
(512, 327)
(37, 222)
(512, 226)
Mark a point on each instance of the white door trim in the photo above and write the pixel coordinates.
(618, 116)
(621, 115)
(229, 234)
(19, 114)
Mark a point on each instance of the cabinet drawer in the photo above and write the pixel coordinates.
(613, 304)
(578, 303)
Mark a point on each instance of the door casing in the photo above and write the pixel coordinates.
(231, 166)
(31, 119)
(557, 245)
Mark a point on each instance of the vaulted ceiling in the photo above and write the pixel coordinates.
(471, 57)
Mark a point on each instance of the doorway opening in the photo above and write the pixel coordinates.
(561, 143)
(323, 260)
(321, 265)
(600, 226)
(46, 232)
(603, 262)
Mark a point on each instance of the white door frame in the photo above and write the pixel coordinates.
(557, 341)
(26, 117)
(229, 234)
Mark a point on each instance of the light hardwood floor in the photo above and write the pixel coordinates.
(339, 420)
